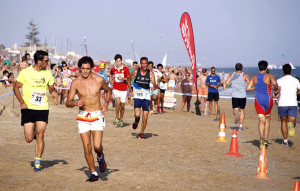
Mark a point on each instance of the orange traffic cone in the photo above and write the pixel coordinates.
(218, 115)
(221, 137)
(262, 171)
(296, 185)
(234, 149)
(222, 120)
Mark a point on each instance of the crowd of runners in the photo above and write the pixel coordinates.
(142, 85)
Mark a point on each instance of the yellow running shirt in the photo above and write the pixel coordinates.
(35, 85)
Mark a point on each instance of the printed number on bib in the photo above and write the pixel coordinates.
(118, 77)
(37, 98)
(141, 94)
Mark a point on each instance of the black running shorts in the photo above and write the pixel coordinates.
(213, 96)
(238, 103)
(32, 116)
(162, 91)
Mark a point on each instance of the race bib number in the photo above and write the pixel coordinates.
(37, 98)
(118, 77)
(141, 94)
(162, 86)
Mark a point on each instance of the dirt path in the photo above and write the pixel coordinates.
(180, 153)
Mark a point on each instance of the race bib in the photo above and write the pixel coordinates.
(141, 94)
(162, 86)
(118, 77)
(38, 98)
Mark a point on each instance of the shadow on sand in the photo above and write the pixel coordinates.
(49, 163)
(102, 176)
(147, 135)
(280, 141)
(237, 128)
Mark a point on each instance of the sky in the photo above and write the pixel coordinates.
(225, 31)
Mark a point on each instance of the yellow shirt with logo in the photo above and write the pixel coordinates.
(35, 85)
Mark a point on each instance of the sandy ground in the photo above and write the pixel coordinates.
(180, 153)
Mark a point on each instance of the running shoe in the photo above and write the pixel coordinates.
(135, 125)
(288, 144)
(93, 178)
(266, 143)
(158, 110)
(291, 129)
(116, 121)
(236, 119)
(162, 110)
(37, 167)
(121, 124)
(261, 142)
(142, 136)
(102, 164)
(241, 128)
(151, 112)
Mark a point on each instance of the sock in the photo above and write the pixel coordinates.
(37, 160)
(95, 173)
(137, 119)
(285, 140)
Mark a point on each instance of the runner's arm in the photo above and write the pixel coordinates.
(251, 84)
(273, 82)
(227, 82)
(152, 77)
(70, 102)
(52, 91)
(16, 88)
(107, 97)
(165, 79)
(132, 75)
(246, 78)
(159, 80)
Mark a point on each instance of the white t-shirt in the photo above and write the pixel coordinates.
(6, 80)
(288, 88)
(157, 74)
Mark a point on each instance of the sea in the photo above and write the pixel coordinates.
(277, 73)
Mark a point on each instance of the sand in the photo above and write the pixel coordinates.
(180, 152)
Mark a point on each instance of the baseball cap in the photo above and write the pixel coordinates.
(102, 65)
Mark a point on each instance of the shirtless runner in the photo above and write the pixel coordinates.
(90, 117)
(172, 81)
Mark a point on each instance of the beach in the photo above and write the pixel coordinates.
(180, 152)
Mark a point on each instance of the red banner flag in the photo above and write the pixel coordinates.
(188, 39)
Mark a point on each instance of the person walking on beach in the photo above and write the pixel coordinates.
(238, 81)
(154, 94)
(203, 89)
(134, 66)
(187, 89)
(287, 103)
(90, 116)
(105, 74)
(34, 103)
(161, 90)
(141, 92)
(213, 81)
(262, 83)
(118, 77)
(172, 81)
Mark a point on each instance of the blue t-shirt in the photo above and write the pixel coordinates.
(104, 75)
(213, 80)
